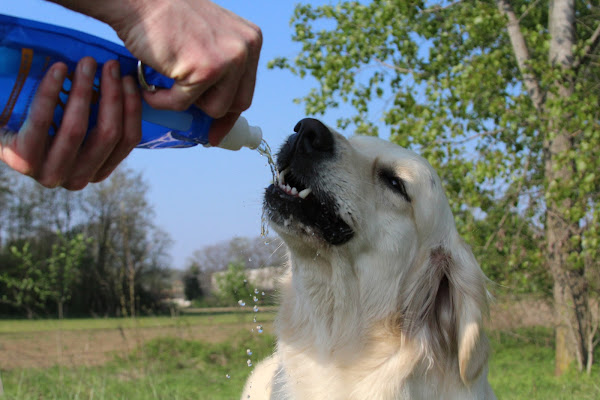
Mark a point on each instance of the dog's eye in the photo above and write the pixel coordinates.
(395, 183)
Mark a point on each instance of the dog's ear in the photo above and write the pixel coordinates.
(460, 307)
(444, 305)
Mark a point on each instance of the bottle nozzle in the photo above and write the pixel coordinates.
(242, 135)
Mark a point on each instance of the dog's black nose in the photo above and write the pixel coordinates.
(313, 136)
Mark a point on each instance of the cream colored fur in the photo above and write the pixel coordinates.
(395, 313)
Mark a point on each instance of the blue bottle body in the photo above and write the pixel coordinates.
(29, 48)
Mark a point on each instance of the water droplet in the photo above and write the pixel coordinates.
(249, 362)
(255, 299)
(249, 352)
(263, 293)
(242, 303)
(255, 291)
(254, 319)
(255, 308)
(259, 328)
(228, 376)
(250, 259)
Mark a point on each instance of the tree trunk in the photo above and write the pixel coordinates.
(572, 315)
(60, 309)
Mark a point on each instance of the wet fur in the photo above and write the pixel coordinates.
(395, 313)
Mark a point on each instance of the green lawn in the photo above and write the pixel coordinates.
(521, 368)
(43, 325)
(162, 369)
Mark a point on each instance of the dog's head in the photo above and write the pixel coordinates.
(381, 209)
(363, 191)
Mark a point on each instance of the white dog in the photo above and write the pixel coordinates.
(383, 299)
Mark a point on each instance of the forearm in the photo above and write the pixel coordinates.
(108, 11)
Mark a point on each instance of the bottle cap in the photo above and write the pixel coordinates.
(242, 135)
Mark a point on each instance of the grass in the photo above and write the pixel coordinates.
(165, 368)
(521, 367)
(49, 325)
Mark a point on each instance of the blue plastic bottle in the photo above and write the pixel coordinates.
(29, 48)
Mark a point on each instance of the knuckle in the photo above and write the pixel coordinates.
(75, 184)
(212, 71)
(49, 182)
(255, 36)
(109, 134)
(213, 109)
(241, 104)
(71, 135)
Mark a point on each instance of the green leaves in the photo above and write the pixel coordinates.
(448, 78)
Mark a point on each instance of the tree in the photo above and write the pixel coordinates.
(191, 283)
(254, 252)
(501, 97)
(232, 285)
(28, 287)
(63, 268)
(128, 247)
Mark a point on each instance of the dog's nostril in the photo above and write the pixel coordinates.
(313, 136)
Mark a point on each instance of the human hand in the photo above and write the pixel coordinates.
(210, 52)
(66, 159)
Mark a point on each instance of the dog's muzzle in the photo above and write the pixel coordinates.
(300, 199)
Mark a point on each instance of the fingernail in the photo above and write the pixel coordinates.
(129, 86)
(58, 74)
(88, 68)
(115, 71)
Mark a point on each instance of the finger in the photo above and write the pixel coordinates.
(132, 129)
(245, 92)
(221, 127)
(25, 151)
(67, 141)
(217, 100)
(178, 97)
(106, 134)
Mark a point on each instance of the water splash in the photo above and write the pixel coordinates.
(265, 150)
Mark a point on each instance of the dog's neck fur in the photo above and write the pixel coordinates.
(323, 302)
(328, 320)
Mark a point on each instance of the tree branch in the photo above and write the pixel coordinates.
(528, 9)
(587, 51)
(468, 139)
(522, 54)
(399, 69)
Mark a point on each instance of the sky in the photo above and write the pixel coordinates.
(202, 196)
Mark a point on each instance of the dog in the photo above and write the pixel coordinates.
(383, 299)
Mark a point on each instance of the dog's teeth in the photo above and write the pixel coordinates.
(294, 191)
(281, 176)
(288, 188)
(304, 193)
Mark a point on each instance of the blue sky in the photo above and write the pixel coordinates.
(203, 196)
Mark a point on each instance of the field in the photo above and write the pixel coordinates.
(205, 357)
